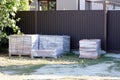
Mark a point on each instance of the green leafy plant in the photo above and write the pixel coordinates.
(24, 5)
(8, 10)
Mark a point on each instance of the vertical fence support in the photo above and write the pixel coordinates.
(36, 22)
(78, 4)
(105, 23)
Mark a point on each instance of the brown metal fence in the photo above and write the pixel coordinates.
(27, 21)
(113, 32)
(77, 24)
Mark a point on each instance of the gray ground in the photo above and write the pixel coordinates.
(107, 68)
(77, 70)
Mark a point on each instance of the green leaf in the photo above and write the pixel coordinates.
(8, 10)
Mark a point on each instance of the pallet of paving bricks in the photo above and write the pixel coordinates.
(22, 44)
(44, 45)
(89, 48)
(53, 45)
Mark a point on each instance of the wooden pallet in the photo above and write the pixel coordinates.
(45, 53)
(20, 55)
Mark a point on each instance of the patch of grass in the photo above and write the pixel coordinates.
(71, 57)
(68, 58)
(116, 61)
(96, 61)
(70, 54)
(74, 66)
(110, 68)
(116, 67)
(26, 65)
(30, 68)
(27, 69)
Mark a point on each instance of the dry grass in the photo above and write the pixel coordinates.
(24, 61)
(66, 59)
(15, 60)
(47, 77)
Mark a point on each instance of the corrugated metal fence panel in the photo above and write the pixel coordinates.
(77, 24)
(113, 40)
(27, 21)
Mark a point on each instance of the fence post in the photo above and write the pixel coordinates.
(105, 23)
(35, 22)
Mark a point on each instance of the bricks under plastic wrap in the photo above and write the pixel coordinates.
(89, 55)
(44, 53)
(23, 44)
(54, 42)
(89, 48)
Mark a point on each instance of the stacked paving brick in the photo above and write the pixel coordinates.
(53, 45)
(22, 44)
(39, 45)
(90, 48)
